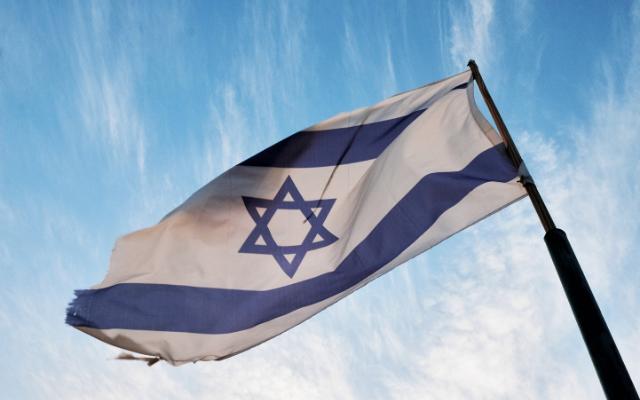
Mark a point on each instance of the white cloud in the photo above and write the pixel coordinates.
(390, 86)
(269, 68)
(523, 10)
(107, 100)
(227, 148)
(309, 364)
(472, 33)
(373, 54)
(353, 59)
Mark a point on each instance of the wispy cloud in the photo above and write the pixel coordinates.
(268, 77)
(472, 33)
(106, 98)
(353, 58)
(227, 147)
(522, 13)
(390, 82)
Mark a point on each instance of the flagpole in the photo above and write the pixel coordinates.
(612, 372)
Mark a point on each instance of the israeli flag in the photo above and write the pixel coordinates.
(297, 227)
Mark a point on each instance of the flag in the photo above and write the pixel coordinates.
(300, 225)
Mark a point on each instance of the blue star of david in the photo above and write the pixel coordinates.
(315, 211)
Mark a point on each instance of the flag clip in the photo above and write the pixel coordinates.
(523, 172)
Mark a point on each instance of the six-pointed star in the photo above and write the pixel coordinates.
(260, 240)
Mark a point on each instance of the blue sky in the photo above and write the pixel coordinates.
(113, 114)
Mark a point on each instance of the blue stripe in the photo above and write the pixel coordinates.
(308, 149)
(332, 147)
(162, 307)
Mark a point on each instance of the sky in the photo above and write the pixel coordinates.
(112, 114)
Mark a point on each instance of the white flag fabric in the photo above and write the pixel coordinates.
(295, 228)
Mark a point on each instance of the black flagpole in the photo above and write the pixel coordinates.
(613, 375)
